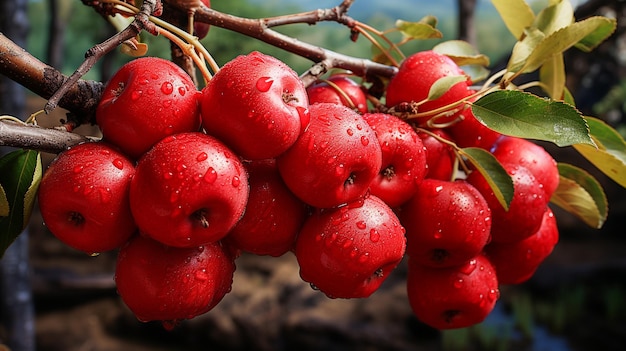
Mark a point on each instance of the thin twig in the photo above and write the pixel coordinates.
(94, 54)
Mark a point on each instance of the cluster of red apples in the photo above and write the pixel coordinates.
(184, 181)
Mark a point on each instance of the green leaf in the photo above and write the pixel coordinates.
(610, 154)
(462, 53)
(595, 38)
(552, 75)
(4, 203)
(443, 84)
(20, 174)
(516, 14)
(581, 194)
(524, 48)
(528, 116)
(555, 17)
(564, 39)
(493, 172)
(418, 30)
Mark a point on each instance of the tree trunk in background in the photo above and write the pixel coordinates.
(56, 30)
(16, 304)
(467, 27)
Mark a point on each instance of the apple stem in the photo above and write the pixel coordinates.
(201, 217)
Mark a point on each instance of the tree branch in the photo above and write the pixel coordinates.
(33, 137)
(23, 68)
(260, 29)
(95, 53)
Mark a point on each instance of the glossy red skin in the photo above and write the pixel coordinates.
(447, 223)
(255, 104)
(91, 179)
(273, 214)
(180, 176)
(323, 91)
(469, 132)
(337, 146)
(440, 158)
(340, 251)
(202, 29)
(161, 283)
(532, 156)
(415, 77)
(454, 297)
(146, 100)
(525, 210)
(516, 262)
(403, 159)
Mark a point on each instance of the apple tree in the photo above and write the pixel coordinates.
(351, 165)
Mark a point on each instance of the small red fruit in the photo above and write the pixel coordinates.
(147, 99)
(469, 132)
(202, 29)
(532, 156)
(83, 197)
(338, 89)
(273, 214)
(255, 104)
(188, 190)
(335, 160)
(440, 157)
(162, 283)
(403, 159)
(415, 77)
(454, 297)
(526, 209)
(516, 262)
(447, 223)
(348, 252)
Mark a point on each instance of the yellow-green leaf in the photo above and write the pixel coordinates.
(4, 203)
(610, 154)
(418, 30)
(581, 194)
(516, 14)
(564, 39)
(555, 17)
(443, 84)
(552, 76)
(524, 48)
(140, 49)
(595, 38)
(493, 172)
(462, 53)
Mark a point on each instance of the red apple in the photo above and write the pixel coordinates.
(338, 89)
(188, 190)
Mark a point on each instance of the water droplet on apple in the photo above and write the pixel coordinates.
(210, 176)
(118, 163)
(182, 91)
(167, 103)
(202, 275)
(350, 132)
(78, 168)
(175, 196)
(374, 235)
(264, 84)
(105, 195)
(340, 169)
(135, 95)
(458, 283)
(469, 267)
(236, 181)
(361, 224)
(364, 257)
(167, 88)
(202, 156)
(365, 140)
